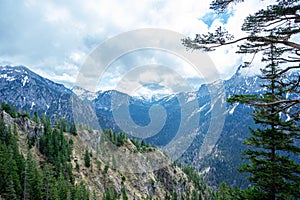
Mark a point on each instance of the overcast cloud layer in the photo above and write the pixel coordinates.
(53, 38)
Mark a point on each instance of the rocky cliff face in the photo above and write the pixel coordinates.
(143, 174)
(25, 125)
(103, 177)
(29, 91)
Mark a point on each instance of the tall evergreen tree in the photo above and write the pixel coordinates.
(276, 24)
(273, 147)
(33, 179)
(273, 170)
(87, 159)
(73, 129)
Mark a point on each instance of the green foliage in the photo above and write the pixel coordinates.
(106, 167)
(36, 118)
(77, 167)
(273, 147)
(57, 149)
(124, 195)
(10, 167)
(117, 139)
(7, 108)
(25, 114)
(107, 195)
(245, 98)
(31, 141)
(87, 159)
(73, 129)
(23, 178)
(33, 181)
(61, 124)
(142, 146)
(201, 189)
(174, 196)
(143, 143)
(11, 164)
(273, 171)
(227, 193)
(136, 143)
(193, 176)
(111, 195)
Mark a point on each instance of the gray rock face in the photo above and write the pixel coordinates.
(29, 91)
(31, 128)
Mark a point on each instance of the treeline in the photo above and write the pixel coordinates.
(119, 139)
(43, 119)
(57, 150)
(21, 177)
(12, 111)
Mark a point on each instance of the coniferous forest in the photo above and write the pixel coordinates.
(50, 156)
(23, 176)
(272, 155)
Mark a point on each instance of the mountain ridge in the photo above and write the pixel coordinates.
(61, 105)
(100, 178)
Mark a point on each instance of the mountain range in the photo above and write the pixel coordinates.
(213, 150)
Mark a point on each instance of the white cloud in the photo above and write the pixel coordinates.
(54, 38)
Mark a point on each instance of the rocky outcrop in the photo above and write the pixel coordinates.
(25, 125)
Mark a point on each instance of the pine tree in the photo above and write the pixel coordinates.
(10, 192)
(276, 25)
(143, 143)
(10, 185)
(107, 195)
(174, 196)
(63, 124)
(33, 180)
(124, 195)
(11, 163)
(273, 171)
(83, 192)
(87, 159)
(73, 129)
(48, 181)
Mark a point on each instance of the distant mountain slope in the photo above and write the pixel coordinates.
(29, 91)
(101, 178)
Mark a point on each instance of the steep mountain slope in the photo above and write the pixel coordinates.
(102, 178)
(30, 92)
(26, 90)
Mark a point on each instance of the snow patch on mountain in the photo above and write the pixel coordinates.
(32, 105)
(191, 96)
(231, 111)
(84, 94)
(8, 78)
(198, 110)
(25, 80)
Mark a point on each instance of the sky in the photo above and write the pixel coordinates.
(55, 38)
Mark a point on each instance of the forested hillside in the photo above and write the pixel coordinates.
(40, 161)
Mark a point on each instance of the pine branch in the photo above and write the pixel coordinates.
(288, 60)
(287, 69)
(215, 45)
(277, 102)
(283, 109)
